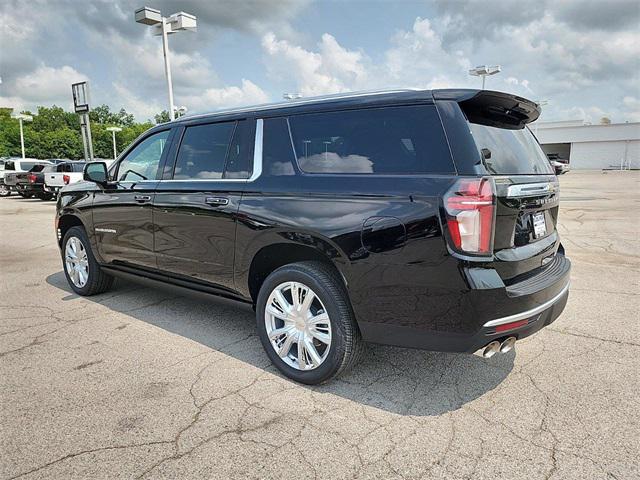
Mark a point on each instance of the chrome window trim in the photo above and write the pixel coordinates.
(257, 163)
(531, 189)
(528, 313)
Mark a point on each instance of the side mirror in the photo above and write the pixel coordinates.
(486, 153)
(95, 172)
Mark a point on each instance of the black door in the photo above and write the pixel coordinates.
(122, 213)
(195, 207)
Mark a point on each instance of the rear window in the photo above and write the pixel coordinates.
(392, 140)
(26, 166)
(513, 152)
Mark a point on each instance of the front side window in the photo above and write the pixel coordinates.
(143, 161)
(392, 140)
(203, 151)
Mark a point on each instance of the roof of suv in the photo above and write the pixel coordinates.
(348, 99)
(358, 99)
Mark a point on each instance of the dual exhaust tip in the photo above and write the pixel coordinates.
(494, 347)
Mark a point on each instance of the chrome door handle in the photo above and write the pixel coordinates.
(142, 198)
(216, 201)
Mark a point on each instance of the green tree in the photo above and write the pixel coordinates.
(55, 133)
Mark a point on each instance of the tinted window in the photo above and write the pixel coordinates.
(78, 167)
(142, 162)
(395, 140)
(9, 165)
(513, 152)
(277, 153)
(239, 159)
(26, 166)
(203, 151)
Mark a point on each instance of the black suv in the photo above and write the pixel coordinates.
(422, 219)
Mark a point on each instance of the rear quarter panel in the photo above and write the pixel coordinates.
(401, 274)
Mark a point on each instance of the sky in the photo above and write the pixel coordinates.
(581, 57)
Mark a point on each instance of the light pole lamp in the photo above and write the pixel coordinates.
(484, 71)
(21, 117)
(113, 131)
(165, 26)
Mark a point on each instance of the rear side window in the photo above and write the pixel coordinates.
(392, 140)
(239, 160)
(277, 154)
(78, 167)
(203, 151)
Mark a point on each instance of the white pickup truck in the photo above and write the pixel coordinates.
(66, 173)
(11, 166)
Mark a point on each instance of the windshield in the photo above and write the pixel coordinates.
(513, 152)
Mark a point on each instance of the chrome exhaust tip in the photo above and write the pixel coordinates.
(491, 349)
(507, 345)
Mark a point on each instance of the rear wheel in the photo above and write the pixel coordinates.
(4, 190)
(83, 273)
(306, 323)
(24, 195)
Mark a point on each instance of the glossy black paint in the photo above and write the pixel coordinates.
(383, 234)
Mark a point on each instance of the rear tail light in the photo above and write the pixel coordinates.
(470, 207)
(66, 179)
(32, 178)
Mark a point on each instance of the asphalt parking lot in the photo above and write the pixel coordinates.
(145, 383)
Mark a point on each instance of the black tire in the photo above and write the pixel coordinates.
(4, 190)
(24, 195)
(97, 281)
(45, 196)
(346, 342)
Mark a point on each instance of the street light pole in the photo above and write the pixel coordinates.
(484, 71)
(113, 131)
(164, 26)
(167, 66)
(21, 138)
(22, 118)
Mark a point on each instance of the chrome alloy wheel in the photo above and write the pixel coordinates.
(298, 326)
(75, 257)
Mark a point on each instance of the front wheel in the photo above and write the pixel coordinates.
(306, 324)
(4, 190)
(83, 273)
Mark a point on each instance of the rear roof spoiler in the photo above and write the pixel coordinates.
(496, 109)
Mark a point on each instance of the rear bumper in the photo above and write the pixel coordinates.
(516, 311)
(30, 188)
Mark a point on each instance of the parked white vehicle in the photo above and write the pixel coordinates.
(11, 166)
(66, 173)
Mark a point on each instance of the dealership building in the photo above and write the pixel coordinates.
(601, 146)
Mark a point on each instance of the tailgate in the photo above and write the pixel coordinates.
(54, 179)
(525, 236)
(525, 239)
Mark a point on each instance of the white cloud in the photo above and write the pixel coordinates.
(332, 69)
(44, 86)
(143, 109)
(232, 96)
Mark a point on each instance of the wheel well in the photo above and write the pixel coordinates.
(275, 256)
(65, 223)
